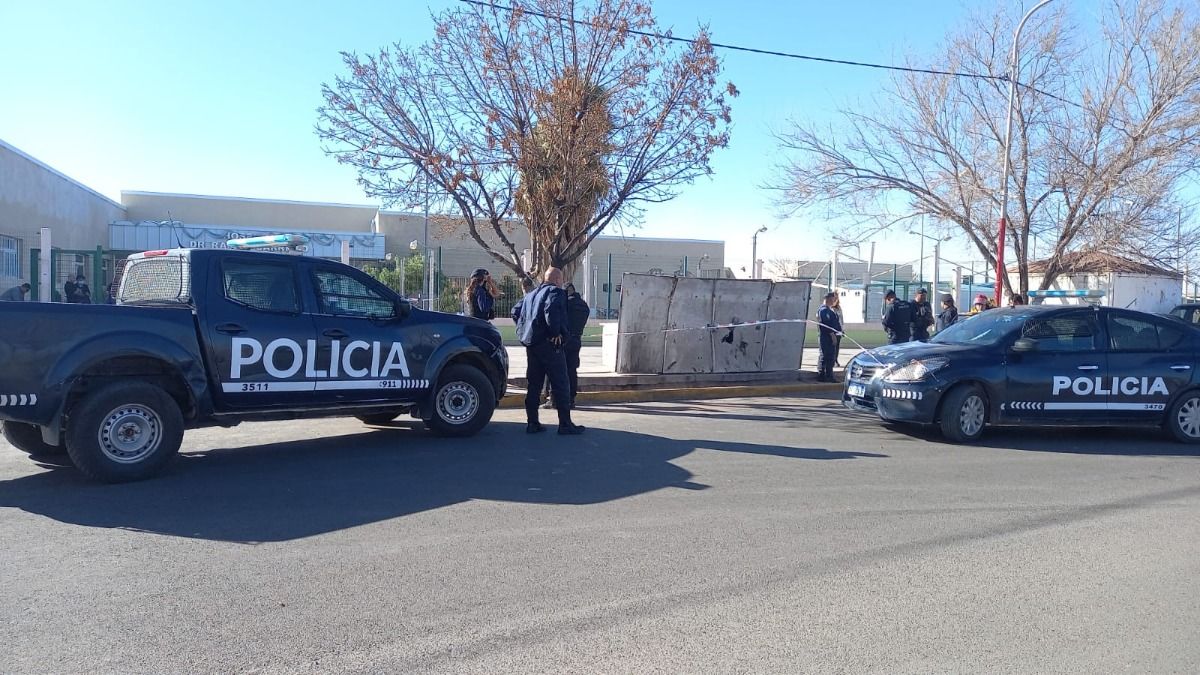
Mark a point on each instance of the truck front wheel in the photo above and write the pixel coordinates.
(124, 431)
(28, 438)
(463, 402)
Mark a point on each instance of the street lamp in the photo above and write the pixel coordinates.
(937, 250)
(700, 265)
(754, 270)
(1001, 272)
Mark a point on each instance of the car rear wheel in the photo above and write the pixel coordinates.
(1183, 420)
(463, 402)
(964, 413)
(124, 431)
(28, 439)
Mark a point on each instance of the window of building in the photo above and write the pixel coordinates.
(10, 256)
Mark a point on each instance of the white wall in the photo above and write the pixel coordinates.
(1145, 293)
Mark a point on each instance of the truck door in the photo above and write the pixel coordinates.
(259, 338)
(371, 353)
(1061, 380)
(1149, 361)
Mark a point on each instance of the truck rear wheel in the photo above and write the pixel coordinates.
(124, 431)
(28, 438)
(463, 402)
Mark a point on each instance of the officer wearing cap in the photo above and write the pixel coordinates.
(922, 314)
(897, 319)
(541, 319)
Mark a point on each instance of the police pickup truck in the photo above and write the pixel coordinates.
(217, 337)
(1037, 366)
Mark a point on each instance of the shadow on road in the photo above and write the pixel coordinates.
(282, 491)
(1133, 442)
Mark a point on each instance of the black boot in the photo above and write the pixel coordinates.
(565, 426)
(533, 426)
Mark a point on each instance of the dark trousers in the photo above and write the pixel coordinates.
(574, 345)
(547, 363)
(828, 357)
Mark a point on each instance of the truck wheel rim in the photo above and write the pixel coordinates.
(130, 433)
(457, 403)
(1188, 418)
(971, 415)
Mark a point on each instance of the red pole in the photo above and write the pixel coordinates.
(1000, 263)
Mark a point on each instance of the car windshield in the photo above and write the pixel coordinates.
(986, 328)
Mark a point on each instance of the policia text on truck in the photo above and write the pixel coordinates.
(1038, 366)
(216, 337)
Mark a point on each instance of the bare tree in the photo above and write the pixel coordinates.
(568, 114)
(1105, 134)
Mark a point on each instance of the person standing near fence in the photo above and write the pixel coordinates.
(922, 314)
(949, 314)
(897, 319)
(830, 326)
(16, 293)
(479, 299)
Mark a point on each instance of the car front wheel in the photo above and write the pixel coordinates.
(964, 413)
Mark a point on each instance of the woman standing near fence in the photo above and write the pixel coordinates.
(479, 299)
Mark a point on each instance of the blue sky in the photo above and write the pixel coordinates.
(219, 97)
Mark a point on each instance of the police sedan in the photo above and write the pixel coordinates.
(1037, 366)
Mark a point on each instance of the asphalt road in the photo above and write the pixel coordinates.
(769, 535)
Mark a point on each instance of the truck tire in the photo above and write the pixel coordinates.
(380, 418)
(124, 431)
(463, 402)
(964, 413)
(28, 439)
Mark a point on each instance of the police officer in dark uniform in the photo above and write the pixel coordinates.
(922, 313)
(897, 319)
(830, 330)
(578, 314)
(541, 319)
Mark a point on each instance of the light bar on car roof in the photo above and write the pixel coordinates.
(293, 242)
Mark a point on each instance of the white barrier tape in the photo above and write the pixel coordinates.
(725, 326)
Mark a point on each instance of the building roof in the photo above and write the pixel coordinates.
(1093, 261)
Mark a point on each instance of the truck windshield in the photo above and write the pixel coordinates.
(986, 328)
(164, 279)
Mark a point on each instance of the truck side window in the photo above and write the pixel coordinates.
(262, 286)
(342, 295)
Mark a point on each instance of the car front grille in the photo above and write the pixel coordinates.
(863, 372)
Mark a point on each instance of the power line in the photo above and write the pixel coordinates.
(789, 55)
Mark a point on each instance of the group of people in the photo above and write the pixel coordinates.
(550, 321)
(903, 321)
(75, 290)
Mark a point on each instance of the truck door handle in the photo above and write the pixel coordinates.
(1180, 367)
(336, 333)
(230, 329)
(1089, 367)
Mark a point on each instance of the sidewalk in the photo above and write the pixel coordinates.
(591, 367)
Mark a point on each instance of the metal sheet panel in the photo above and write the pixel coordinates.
(645, 301)
(689, 351)
(783, 347)
(739, 350)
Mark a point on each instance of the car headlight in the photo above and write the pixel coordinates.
(915, 371)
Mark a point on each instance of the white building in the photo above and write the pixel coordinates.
(1125, 283)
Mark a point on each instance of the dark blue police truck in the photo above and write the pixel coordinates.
(217, 337)
(1037, 366)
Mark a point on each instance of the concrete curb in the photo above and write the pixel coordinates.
(515, 400)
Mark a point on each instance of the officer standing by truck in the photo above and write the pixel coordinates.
(922, 314)
(541, 319)
(897, 319)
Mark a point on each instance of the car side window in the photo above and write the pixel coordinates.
(263, 286)
(1129, 334)
(1170, 337)
(1070, 332)
(340, 294)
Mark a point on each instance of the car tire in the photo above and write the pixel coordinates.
(124, 431)
(463, 402)
(1183, 419)
(28, 439)
(380, 418)
(964, 413)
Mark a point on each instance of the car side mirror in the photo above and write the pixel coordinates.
(1025, 345)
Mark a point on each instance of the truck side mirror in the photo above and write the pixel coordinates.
(403, 309)
(1025, 345)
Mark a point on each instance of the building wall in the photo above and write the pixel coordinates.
(1155, 294)
(33, 196)
(263, 214)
